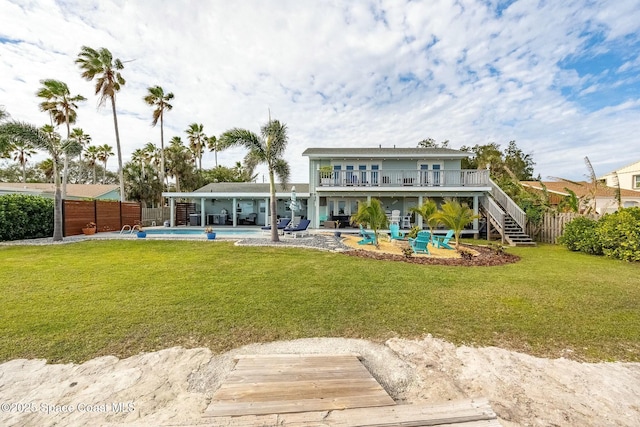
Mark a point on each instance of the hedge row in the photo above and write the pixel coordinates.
(25, 217)
(615, 235)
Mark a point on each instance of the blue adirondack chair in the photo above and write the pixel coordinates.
(443, 241)
(419, 244)
(396, 234)
(367, 238)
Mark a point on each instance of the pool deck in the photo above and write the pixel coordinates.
(317, 239)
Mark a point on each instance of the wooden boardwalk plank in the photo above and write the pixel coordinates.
(295, 383)
(461, 413)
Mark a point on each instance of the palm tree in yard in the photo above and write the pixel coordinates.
(428, 211)
(104, 152)
(373, 216)
(197, 141)
(456, 216)
(22, 150)
(157, 99)
(83, 139)
(61, 107)
(45, 139)
(100, 65)
(214, 144)
(91, 154)
(268, 148)
(179, 161)
(46, 166)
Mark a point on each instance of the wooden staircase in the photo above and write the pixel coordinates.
(506, 218)
(513, 233)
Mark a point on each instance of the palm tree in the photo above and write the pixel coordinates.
(456, 216)
(267, 148)
(214, 144)
(104, 151)
(22, 150)
(197, 139)
(91, 154)
(83, 139)
(179, 161)
(101, 65)
(373, 216)
(428, 212)
(61, 107)
(157, 99)
(49, 141)
(3, 114)
(46, 166)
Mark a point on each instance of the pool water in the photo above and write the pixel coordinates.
(200, 231)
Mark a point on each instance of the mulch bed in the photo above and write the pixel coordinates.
(486, 257)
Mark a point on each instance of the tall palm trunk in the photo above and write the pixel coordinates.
(57, 217)
(120, 171)
(65, 173)
(94, 172)
(162, 156)
(24, 171)
(273, 207)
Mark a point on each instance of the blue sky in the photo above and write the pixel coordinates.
(562, 79)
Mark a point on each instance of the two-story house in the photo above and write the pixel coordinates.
(341, 178)
(401, 178)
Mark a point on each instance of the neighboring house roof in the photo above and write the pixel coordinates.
(375, 152)
(633, 167)
(581, 188)
(84, 191)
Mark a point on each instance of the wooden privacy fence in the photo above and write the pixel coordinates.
(108, 215)
(552, 226)
(157, 215)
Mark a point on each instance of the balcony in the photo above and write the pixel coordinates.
(404, 178)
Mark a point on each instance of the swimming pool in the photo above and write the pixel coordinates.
(220, 233)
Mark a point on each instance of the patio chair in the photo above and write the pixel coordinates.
(367, 237)
(396, 234)
(395, 217)
(443, 241)
(419, 244)
(282, 223)
(250, 219)
(299, 230)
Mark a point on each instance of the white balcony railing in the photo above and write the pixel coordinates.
(404, 178)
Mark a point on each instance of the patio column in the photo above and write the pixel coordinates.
(172, 211)
(476, 234)
(316, 213)
(234, 211)
(419, 217)
(203, 217)
(267, 206)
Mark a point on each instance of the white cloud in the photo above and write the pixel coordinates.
(332, 72)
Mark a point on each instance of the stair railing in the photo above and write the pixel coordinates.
(496, 213)
(508, 205)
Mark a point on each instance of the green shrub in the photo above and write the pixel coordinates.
(25, 217)
(619, 234)
(581, 235)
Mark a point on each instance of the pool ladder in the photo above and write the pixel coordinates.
(129, 228)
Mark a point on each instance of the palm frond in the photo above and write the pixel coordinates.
(282, 171)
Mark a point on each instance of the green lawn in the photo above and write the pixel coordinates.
(77, 301)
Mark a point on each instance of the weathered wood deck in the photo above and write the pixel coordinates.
(325, 390)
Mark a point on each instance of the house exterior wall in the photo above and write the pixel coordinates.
(628, 177)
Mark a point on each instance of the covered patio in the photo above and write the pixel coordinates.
(235, 204)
